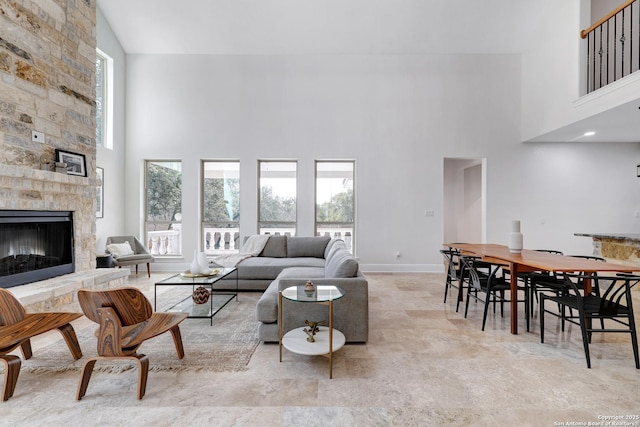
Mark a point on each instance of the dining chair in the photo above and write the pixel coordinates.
(126, 320)
(494, 287)
(541, 281)
(454, 274)
(614, 304)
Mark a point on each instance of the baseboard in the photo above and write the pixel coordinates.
(402, 268)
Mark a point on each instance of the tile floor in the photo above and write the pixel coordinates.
(424, 365)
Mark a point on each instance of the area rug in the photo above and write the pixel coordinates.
(225, 346)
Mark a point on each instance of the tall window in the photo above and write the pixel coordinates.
(277, 197)
(335, 200)
(104, 100)
(220, 206)
(163, 185)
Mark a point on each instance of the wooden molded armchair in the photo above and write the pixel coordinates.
(126, 320)
(16, 329)
(140, 253)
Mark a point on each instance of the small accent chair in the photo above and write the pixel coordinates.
(126, 320)
(17, 327)
(614, 303)
(140, 253)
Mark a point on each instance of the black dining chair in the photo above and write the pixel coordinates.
(614, 304)
(542, 281)
(453, 266)
(554, 283)
(494, 285)
(455, 272)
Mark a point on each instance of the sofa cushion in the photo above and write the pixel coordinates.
(306, 246)
(330, 246)
(335, 247)
(341, 264)
(276, 247)
(302, 273)
(269, 268)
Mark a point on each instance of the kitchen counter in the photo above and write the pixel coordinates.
(618, 247)
(616, 236)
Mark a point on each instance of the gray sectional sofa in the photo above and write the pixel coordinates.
(289, 261)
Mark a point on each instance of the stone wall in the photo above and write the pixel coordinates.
(47, 84)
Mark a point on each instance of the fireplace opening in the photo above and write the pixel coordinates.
(35, 245)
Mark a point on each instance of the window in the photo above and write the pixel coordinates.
(220, 206)
(163, 207)
(277, 197)
(104, 100)
(334, 200)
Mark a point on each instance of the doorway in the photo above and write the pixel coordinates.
(464, 204)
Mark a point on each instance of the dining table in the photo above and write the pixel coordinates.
(527, 261)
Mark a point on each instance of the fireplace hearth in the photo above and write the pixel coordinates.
(35, 245)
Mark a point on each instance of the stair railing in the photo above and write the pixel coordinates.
(613, 45)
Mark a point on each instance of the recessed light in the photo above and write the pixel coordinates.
(590, 133)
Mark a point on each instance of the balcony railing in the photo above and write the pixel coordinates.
(613, 45)
(219, 241)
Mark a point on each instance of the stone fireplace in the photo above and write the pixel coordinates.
(48, 86)
(31, 190)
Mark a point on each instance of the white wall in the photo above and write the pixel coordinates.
(112, 161)
(553, 77)
(398, 116)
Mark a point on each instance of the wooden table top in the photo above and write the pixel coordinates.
(540, 260)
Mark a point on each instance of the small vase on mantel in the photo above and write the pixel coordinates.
(515, 238)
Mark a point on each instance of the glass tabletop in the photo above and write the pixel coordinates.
(322, 293)
(188, 279)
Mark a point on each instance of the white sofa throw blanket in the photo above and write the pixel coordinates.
(251, 247)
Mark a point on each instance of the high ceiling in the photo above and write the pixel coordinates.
(295, 27)
(320, 26)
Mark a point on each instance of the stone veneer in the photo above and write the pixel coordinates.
(47, 84)
(60, 293)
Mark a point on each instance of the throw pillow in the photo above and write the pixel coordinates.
(120, 249)
(306, 246)
(276, 247)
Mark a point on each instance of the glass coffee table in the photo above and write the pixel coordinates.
(325, 340)
(216, 301)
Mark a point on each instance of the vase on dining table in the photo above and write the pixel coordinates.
(515, 238)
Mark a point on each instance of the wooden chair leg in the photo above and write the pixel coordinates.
(87, 370)
(12, 370)
(69, 335)
(149, 269)
(25, 348)
(143, 373)
(177, 340)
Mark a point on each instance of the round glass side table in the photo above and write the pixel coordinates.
(312, 340)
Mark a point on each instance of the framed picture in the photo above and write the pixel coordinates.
(76, 163)
(100, 193)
